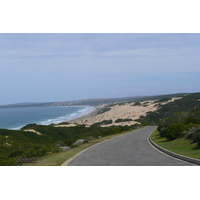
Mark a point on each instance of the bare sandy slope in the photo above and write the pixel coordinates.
(120, 111)
(32, 130)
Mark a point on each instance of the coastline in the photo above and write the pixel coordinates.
(95, 110)
(73, 122)
(75, 118)
(84, 115)
(116, 114)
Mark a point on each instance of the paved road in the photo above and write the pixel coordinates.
(131, 149)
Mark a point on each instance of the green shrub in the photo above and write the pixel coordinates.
(162, 132)
(197, 138)
(62, 123)
(194, 133)
(163, 100)
(104, 110)
(104, 122)
(36, 152)
(7, 162)
(118, 120)
(137, 104)
(192, 120)
(123, 120)
(175, 130)
(15, 153)
(56, 150)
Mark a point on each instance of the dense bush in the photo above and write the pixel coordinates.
(15, 153)
(175, 130)
(37, 151)
(56, 150)
(178, 117)
(104, 122)
(194, 133)
(197, 138)
(163, 100)
(104, 110)
(137, 104)
(7, 162)
(162, 132)
(152, 118)
(123, 120)
(192, 120)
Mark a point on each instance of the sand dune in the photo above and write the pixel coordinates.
(119, 111)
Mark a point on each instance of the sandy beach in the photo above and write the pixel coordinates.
(121, 111)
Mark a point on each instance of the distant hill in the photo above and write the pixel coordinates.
(92, 102)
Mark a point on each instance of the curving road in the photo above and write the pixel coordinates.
(131, 149)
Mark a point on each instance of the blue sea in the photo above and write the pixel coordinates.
(16, 118)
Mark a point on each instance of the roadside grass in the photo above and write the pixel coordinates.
(57, 159)
(182, 145)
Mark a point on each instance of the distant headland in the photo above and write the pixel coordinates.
(92, 102)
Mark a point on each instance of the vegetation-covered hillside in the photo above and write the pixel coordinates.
(18, 147)
(186, 103)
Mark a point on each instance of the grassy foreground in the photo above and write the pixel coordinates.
(182, 146)
(57, 159)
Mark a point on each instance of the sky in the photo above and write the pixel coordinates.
(46, 67)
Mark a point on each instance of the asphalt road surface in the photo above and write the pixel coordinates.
(131, 149)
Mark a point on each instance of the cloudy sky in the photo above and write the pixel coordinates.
(60, 67)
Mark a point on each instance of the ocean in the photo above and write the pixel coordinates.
(16, 118)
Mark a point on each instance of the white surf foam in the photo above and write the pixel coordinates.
(67, 117)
